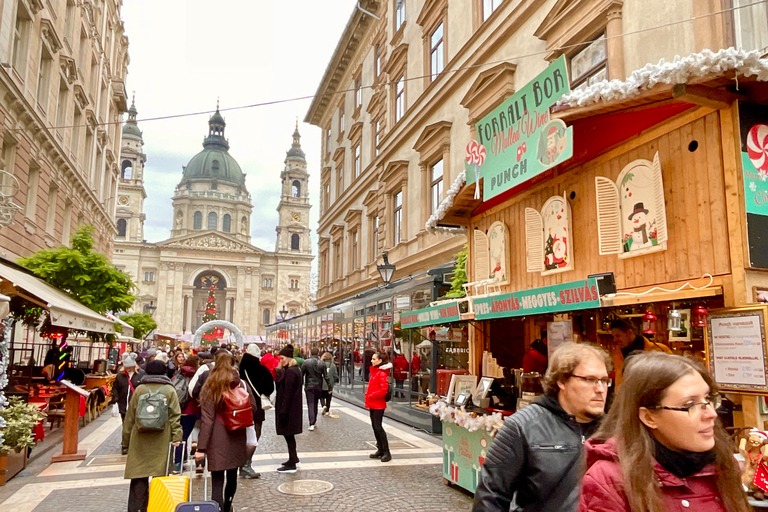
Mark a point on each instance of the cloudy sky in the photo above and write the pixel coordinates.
(187, 53)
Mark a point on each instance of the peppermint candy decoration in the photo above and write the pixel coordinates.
(475, 153)
(757, 147)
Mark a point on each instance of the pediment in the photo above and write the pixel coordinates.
(397, 59)
(356, 131)
(489, 89)
(371, 197)
(432, 138)
(211, 241)
(353, 216)
(573, 20)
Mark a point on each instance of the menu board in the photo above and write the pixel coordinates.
(737, 348)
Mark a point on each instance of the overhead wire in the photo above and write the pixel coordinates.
(419, 77)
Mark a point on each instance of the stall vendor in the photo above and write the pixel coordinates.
(628, 341)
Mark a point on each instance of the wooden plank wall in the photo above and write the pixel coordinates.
(696, 212)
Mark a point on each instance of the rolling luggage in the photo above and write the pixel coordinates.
(166, 492)
(199, 506)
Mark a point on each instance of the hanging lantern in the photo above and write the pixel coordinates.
(674, 320)
(699, 316)
(649, 322)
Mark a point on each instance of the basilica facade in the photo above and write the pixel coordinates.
(210, 243)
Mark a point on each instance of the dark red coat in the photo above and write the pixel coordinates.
(602, 488)
(534, 361)
(401, 367)
(377, 387)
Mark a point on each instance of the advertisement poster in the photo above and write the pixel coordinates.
(519, 138)
(753, 121)
(737, 349)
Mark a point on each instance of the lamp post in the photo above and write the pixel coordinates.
(283, 312)
(386, 270)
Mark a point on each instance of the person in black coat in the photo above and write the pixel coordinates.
(257, 377)
(288, 417)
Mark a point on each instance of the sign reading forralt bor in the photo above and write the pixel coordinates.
(521, 140)
(449, 312)
(558, 298)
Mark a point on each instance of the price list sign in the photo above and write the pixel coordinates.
(737, 354)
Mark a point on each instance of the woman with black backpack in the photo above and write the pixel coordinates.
(226, 407)
(151, 423)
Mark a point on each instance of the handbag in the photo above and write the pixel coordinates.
(251, 439)
(115, 411)
(266, 404)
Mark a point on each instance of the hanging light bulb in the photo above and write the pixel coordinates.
(699, 316)
(649, 322)
(674, 320)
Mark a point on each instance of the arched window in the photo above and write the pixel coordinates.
(295, 242)
(226, 223)
(198, 220)
(296, 188)
(126, 170)
(213, 220)
(265, 315)
(215, 166)
(122, 226)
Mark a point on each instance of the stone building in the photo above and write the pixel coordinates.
(210, 242)
(62, 94)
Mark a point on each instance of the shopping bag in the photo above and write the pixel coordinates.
(167, 492)
(115, 411)
(251, 439)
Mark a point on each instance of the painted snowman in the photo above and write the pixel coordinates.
(639, 220)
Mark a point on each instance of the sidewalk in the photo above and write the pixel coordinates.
(336, 453)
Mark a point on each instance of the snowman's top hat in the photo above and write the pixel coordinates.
(639, 208)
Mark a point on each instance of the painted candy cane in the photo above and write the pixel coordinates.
(475, 157)
(476, 475)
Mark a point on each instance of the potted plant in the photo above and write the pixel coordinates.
(17, 422)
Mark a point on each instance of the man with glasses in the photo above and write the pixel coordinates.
(534, 463)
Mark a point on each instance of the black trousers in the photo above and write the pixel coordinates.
(221, 494)
(293, 456)
(138, 495)
(326, 399)
(377, 415)
(313, 397)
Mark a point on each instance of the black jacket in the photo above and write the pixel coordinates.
(535, 463)
(314, 373)
(288, 402)
(121, 392)
(253, 372)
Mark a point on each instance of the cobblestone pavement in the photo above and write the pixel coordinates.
(336, 452)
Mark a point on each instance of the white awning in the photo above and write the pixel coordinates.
(127, 328)
(64, 310)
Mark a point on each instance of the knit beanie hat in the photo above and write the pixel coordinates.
(156, 368)
(151, 352)
(162, 356)
(286, 351)
(129, 361)
(253, 349)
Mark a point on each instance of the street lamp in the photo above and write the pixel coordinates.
(386, 270)
(151, 308)
(283, 312)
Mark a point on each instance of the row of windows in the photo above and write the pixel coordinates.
(213, 221)
(267, 283)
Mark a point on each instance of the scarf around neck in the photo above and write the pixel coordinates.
(682, 464)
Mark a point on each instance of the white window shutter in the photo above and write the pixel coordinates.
(534, 241)
(481, 265)
(661, 208)
(608, 216)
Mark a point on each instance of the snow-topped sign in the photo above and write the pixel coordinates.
(631, 214)
(519, 136)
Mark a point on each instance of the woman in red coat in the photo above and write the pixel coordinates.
(662, 448)
(376, 403)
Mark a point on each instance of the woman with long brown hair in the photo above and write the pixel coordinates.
(224, 448)
(662, 448)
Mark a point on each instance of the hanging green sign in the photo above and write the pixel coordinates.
(519, 138)
(442, 314)
(558, 298)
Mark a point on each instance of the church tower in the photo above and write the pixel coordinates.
(130, 189)
(293, 209)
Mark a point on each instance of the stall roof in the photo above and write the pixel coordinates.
(127, 328)
(64, 310)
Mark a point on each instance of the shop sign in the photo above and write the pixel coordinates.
(446, 313)
(736, 348)
(754, 159)
(519, 137)
(557, 298)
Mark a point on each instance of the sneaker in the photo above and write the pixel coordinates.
(248, 472)
(386, 457)
(311, 428)
(325, 411)
(331, 415)
(288, 463)
(286, 469)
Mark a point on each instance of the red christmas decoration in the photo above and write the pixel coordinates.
(210, 314)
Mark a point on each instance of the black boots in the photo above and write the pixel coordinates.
(386, 456)
(376, 455)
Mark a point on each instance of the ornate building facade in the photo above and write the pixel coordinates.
(210, 241)
(62, 92)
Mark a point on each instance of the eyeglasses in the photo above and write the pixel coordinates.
(593, 381)
(715, 401)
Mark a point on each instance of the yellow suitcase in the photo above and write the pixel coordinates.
(165, 492)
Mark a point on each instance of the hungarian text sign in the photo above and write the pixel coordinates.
(557, 298)
(520, 138)
(431, 316)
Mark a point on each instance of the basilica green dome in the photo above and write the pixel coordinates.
(214, 162)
